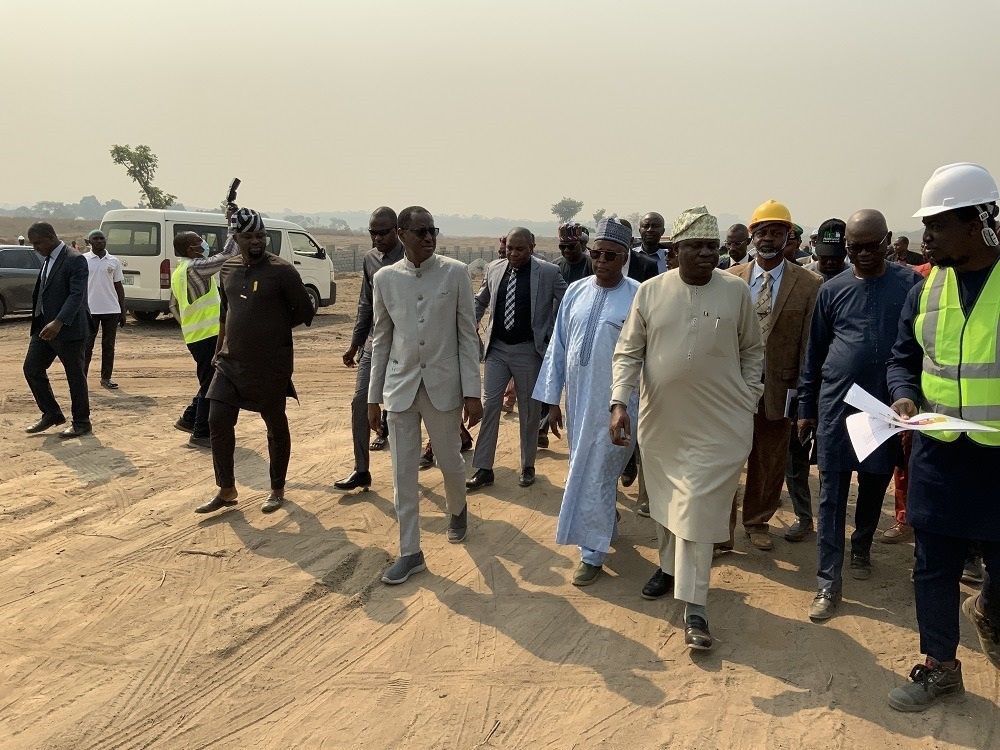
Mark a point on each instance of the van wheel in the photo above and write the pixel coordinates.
(146, 316)
(314, 298)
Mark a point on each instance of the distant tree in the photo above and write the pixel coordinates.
(598, 215)
(338, 224)
(140, 163)
(302, 221)
(634, 218)
(567, 208)
(53, 210)
(90, 208)
(112, 205)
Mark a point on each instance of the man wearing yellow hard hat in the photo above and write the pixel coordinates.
(947, 360)
(784, 294)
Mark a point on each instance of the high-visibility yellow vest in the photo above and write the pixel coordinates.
(199, 319)
(961, 368)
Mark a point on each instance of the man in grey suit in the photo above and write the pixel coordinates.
(425, 366)
(60, 326)
(525, 293)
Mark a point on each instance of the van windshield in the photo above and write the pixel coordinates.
(132, 237)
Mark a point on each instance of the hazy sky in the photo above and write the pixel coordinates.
(500, 109)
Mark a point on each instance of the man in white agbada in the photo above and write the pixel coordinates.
(693, 334)
(579, 358)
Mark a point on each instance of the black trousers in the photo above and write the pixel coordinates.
(222, 418)
(109, 329)
(937, 570)
(196, 413)
(41, 354)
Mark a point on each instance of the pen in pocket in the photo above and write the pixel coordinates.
(717, 323)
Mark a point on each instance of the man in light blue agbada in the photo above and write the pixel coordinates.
(579, 358)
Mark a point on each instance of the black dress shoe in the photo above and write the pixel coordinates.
(482, 478)
(630, 472)
(76, 430)
(466, 440)
(696, 633)
(216, 503)
(357, 479)
(458, 526)
(527, 477)
(44, 423)
(657, 586)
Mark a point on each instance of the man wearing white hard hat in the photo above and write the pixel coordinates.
(20, 239)
(947, 360)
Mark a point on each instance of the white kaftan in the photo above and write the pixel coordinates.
(700, 353)
(578, 358)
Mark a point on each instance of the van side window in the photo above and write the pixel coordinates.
(302, 244)
(274, 242)
(132, 237)
(215, 236)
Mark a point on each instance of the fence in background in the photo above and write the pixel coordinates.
(348, 258)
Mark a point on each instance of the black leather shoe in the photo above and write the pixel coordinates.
(216, 503)
(696, 633)
(657, 586)
(543, 440)
(76, 430)
(357, 479)
(482, 478)
(466, 440)
(527, 477)
(630, 472)
(44, 423)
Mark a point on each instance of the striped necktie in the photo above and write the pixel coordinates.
(508, 308)
(763, 306)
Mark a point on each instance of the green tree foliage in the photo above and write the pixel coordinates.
(598, 215)
(567, 208)
(140, 163)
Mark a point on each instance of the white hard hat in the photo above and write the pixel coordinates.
(955, 186)
(20, 237)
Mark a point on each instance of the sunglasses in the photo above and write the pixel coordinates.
(608, 254)
(380, 232)
(424, 231)
(872, 247)
(569, 246)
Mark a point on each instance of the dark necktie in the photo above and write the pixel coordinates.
(508, 308)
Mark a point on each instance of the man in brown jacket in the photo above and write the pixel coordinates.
(784, 295)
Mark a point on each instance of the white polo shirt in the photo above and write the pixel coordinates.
(101, 294)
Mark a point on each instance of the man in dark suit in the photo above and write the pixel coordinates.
(784, 295)
(59, 328)
(641, 267)
(522, 294)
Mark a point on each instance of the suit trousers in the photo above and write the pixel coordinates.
(833, 489)
(797, 478)
(360, 431)
(40, 356)
(222, 418)
(765, 473)
(404, 435)
(503, 362)
(203, 353)
(937, 570)
(690, 563)
(109, 329)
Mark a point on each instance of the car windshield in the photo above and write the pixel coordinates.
(132, 237)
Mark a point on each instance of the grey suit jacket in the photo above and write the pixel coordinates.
(64, 296)
(547, 289)
(424, 332)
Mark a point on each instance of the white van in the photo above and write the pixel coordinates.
(143, 240)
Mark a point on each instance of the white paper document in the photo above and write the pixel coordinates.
(876, 422)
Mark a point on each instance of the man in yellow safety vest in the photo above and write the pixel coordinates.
(947, 360)
(194, 302)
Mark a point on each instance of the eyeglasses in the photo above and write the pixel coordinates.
(730, 243)
(856, 248)
(568, 245)
(424, 231)
(608, 254)
(380, 232)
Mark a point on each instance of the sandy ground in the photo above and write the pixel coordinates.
(126, 621)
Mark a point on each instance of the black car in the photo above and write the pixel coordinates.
(19, 269)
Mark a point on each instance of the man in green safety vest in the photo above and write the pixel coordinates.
(947, 360)
(194, 302)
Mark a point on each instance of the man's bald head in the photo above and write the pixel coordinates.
(384, 212)
(522, 233)
(865, 223)
(520, 246)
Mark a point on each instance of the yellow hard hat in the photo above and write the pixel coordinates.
(771, 211)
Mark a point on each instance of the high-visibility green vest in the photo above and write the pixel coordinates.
(961, 368)
(199, 319)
